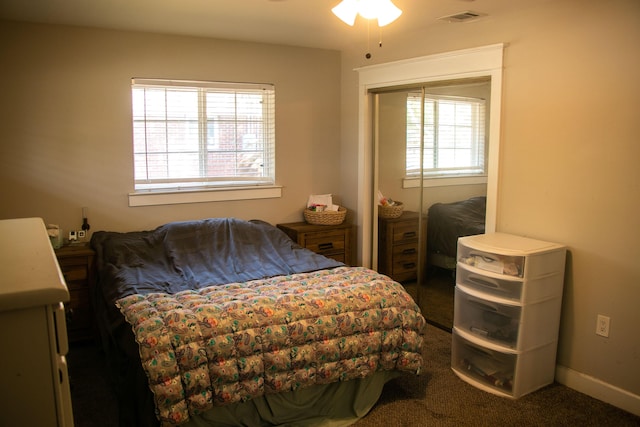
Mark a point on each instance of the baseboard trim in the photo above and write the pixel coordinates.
(598, 389)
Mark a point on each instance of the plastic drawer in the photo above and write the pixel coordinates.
(514, 289)
(487, 319)
(511, 255)
(504, 373)
(493, 369)
(495, 263)
(499, 286)
(515, 326)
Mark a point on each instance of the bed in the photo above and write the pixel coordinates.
(448, 221)
(229, 322)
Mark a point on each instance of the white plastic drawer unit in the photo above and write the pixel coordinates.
(510, 288)
(510, 255)
(516, 326)
(508, 300)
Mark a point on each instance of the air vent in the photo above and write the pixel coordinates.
(465, 16)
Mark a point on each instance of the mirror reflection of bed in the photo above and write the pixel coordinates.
(446, 222)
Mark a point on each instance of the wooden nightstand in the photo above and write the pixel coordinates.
(76, 263)
(398, 246)
(332, 241)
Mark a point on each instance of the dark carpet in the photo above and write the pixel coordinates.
(437, 397)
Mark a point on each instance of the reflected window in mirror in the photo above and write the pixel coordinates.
(454, 136)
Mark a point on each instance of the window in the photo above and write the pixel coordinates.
(196, 135)
(454, 136)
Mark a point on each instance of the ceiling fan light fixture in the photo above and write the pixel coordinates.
(387, 12)
(347, 11)
(383, 10)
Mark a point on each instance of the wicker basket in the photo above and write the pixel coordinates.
(325, 217)
(390, 211)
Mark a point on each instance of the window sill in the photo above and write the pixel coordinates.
(200, 196)
(443, 181)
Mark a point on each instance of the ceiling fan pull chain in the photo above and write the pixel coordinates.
(368, 54)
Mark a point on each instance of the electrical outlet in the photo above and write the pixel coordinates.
(73, 236)
(82, 234)
(602, 325)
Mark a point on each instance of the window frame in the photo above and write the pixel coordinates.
(202, 188)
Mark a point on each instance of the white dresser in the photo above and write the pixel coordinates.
(507, 307)
(35, 382)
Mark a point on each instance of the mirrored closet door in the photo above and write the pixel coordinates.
(430, 163)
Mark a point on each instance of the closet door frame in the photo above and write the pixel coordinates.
(476, 62)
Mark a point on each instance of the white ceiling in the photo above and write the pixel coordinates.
(307, 23)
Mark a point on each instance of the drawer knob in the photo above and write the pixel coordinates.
(409, 234)
(409, 265)
(325, 246)
(409, 251)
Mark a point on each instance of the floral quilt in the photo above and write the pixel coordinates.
(230, 343)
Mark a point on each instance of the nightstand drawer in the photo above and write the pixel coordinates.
(405, 231)
(70, 261)
(75, 264)
(405, 257)
(402, 267)
(74, 274)
(398, 246)
(332, 241)
(405, 251)
(405, 260)
(340, 257)
(78, 313)
(325, 242)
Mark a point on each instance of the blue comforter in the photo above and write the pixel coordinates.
(172, 258)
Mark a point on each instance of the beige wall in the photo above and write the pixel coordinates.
(569, 154)
(65, 109)
(568, 166)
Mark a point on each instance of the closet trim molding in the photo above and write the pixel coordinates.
(460, 64)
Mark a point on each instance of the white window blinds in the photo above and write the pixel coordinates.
(454, 136)
(189, 135)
